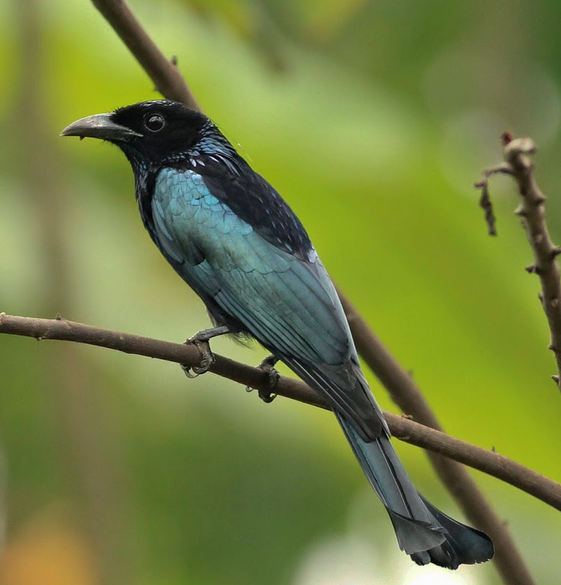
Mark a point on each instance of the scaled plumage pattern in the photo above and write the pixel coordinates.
(236, 242)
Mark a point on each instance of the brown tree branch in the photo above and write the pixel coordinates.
(488, 462)
(520, 166)
(163, 72)
(463, 488)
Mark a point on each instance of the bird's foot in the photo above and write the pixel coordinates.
(200, 340)
(268, 366)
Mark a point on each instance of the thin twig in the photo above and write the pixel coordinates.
(508, 560)
(487, 205)
(407, 430)
(520, 166)
(485, 201)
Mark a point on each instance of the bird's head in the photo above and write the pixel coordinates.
(151, 132)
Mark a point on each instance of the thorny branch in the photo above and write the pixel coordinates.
(404, 429)
(519, 165)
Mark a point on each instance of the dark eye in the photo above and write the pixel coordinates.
(154, 122)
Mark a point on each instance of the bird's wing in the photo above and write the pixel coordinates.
(288, 304)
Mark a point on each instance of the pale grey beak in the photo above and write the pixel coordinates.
(99, 126)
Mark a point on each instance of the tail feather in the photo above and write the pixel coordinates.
(423, 532)
(468, 545)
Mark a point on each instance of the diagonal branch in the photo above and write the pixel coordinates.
(489, 462)
(163, 72)
(519, 164)
(401, 387)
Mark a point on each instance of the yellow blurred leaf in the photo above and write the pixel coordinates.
(48, 551)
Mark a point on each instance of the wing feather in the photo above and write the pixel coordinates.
(287, 303)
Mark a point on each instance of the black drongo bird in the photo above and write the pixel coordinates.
(237, 243)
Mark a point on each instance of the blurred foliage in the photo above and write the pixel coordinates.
(373, 119)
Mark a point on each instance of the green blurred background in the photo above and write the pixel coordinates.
(373, 119)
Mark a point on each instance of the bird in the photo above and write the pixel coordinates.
(236, 242)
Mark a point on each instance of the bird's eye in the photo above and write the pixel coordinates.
(154, 122)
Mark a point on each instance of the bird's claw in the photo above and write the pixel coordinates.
(207, 357)
(267, 396)
(268, 366)
(200, 340)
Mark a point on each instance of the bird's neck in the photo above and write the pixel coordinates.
(214, 146)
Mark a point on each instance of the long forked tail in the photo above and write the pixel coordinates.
(423, 531)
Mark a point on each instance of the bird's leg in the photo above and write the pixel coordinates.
(201, 340)
(268, 366)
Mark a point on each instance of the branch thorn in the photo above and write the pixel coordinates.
(506, 137)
